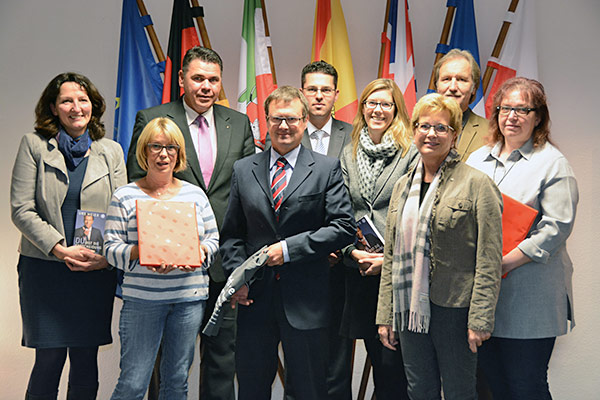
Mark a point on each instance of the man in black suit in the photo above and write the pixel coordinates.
(327, 135)
(223, 136)
(293, 200)
(323, 134)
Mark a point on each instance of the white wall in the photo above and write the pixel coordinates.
(39, 39)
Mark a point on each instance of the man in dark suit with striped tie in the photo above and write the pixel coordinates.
(293, 200)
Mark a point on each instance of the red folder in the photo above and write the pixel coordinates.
(168, 232)
(517, 219)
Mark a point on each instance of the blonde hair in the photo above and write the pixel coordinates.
(398, 129)
(435, 103)
(168, 128)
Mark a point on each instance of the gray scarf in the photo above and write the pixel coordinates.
(370, 159)
(411, 259)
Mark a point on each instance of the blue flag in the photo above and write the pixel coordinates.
(139, 84)
(464, 36)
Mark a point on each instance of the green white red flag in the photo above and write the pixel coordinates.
(256, 77)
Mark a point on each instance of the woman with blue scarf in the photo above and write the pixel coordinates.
(66, 292)
(441, 270)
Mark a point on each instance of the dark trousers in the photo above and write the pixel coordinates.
(442, 355)
(517, 369)
(261, 326)
(48, 367)
(339, 371)
(389, 378)
(217, 355)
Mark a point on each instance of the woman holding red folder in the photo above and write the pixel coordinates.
(162, 305)
(536, 298)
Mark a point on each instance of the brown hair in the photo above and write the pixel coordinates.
(48, 125)
(533, 92)
(286, 94)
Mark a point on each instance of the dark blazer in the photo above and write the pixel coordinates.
(358, 319)
(234, 141)
(315, 219)
(340, 137)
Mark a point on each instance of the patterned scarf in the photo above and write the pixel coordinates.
(411, 260)
(74, 150)
(371, 159)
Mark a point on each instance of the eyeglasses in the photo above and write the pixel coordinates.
(439, 129)
(157, 148)
(520, 111)
(312, 91)
(290, 121)
(371, 105)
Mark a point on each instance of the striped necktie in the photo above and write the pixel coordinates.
(278, 183)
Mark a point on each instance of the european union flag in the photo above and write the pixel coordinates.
(139, 84)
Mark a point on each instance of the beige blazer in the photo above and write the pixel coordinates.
(39, 186)
(472, 136)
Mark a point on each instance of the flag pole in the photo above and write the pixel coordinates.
(443, 40)
(151, 32)
(382, 51)
(269, 47)
(489, 70)
(206, 42)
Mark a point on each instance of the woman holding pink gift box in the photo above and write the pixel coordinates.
(161, 303)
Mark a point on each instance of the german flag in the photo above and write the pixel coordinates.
(182, 37)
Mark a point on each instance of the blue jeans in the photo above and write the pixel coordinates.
(142, 327)
(443, 355)
(517, 369)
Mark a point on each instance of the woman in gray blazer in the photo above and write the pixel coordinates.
(66, 292)
(536, 297)
(380, 152)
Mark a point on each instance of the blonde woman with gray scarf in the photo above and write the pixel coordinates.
(442, 259)
(380, 152)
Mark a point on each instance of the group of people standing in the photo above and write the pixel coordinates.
(432, 308)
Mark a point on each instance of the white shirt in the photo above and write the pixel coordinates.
(191, 116)
(326, 134)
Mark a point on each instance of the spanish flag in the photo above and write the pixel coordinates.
(330, 44)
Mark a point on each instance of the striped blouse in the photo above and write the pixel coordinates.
(140, 283)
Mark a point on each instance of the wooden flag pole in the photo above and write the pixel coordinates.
(489, 70)
(151, 33)
(443, 40)
(382, 51)
(206, 43)
(269, 47)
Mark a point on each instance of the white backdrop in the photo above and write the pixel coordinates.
(39, 39)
